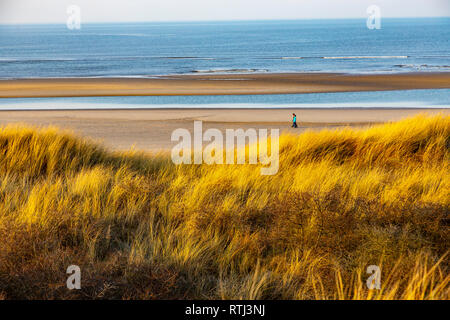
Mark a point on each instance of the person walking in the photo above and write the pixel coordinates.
(294, 120)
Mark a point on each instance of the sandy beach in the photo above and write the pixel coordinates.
(151, 130)
(225, 84)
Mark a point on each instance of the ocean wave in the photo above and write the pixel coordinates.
(368, 57)
(111, 58)
(422, 66)
(337, 57)
(236, 70)
(125, 34)
(33, 60)
(186, 58)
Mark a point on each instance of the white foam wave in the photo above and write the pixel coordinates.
(367, 57)
(226, 71)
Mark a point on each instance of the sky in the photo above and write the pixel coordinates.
(55, 11)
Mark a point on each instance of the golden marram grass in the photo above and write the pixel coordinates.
(141, 227)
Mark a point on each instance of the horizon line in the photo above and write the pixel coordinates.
(219, 20)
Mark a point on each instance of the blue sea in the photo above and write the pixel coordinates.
(156, 49)
(427, 98)
(148, 49)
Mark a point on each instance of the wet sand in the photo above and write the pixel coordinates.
(221, 84)
(151, 130)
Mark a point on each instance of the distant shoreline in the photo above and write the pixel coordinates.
(222, 84)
